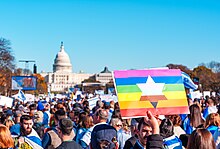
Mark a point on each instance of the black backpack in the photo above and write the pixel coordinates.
(39, 128)
(130, 142)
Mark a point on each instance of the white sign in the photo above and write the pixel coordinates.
(195, 94)
(109, 98)
(206, 93)
(29, 97)
(92, 102)
(213, 94)
(6, 101)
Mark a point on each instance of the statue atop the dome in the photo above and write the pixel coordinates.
(61, 47)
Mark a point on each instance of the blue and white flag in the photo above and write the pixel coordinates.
(49, 96)
(33, 140)
(99, 92)
(187, 81)
(21, 95)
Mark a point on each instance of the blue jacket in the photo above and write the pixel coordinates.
(212, 129)
(209, 110)
(187, 127)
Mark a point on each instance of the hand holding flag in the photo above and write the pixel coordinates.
(153, 121)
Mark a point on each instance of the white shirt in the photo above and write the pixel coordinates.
(87, 136)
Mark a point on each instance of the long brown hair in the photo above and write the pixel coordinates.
(6, 140)
(195, 116)
(201, 139)
(86, 122)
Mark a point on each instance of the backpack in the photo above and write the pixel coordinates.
(55, 139)
(39, 128)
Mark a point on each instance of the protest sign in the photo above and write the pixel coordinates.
(6, 101)
(160, 91)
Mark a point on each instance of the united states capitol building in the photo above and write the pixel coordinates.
(62, 78)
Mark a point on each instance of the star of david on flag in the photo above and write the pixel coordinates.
(152, 91)
(160, 91)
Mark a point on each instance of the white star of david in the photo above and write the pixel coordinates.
(151, 88)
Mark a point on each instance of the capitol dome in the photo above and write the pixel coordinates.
(62, 61)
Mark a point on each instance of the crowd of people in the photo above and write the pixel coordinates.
(67, 124)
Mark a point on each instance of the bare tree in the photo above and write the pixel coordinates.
(7, 65)
(215, 66)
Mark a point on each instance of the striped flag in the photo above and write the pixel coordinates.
(160, 91)
(187, 81)
(21, 96)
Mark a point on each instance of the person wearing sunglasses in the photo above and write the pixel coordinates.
(123, 131)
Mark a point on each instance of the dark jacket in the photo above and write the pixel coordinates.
(154, 141)
(69, 145)
(130, 142)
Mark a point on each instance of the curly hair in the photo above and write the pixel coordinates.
(176, 120)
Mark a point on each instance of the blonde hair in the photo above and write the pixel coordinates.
(6, 140)
(38, 117)
(115, 121)
(212, 119)
(8, 123)
(126, 125)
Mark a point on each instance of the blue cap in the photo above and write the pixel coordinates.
(60, 101)
(15, 129)
(40, 106)
(44, 101)
(107, 103)
(9, 112)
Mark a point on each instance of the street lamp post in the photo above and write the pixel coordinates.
(26, 69)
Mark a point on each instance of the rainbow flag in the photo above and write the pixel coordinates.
(160, 91)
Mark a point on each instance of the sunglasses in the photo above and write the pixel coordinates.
(118, 125)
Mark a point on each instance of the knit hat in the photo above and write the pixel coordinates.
(104, 134)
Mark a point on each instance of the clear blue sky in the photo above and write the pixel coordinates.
(120, 34)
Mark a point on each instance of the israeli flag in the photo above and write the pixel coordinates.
(187, 81)
(49, 96)
(21, 96)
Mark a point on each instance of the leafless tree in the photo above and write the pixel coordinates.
(7, 65)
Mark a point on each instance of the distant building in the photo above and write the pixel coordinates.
(62, 78)
(104, 77)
